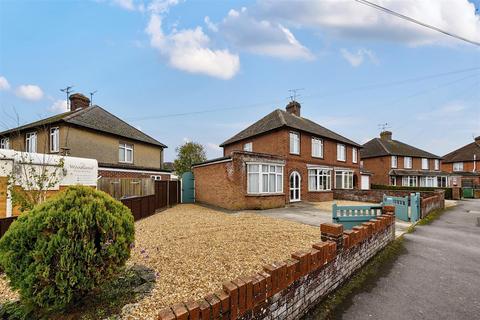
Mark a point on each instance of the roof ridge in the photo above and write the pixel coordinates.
(382, 145)
(282, 118)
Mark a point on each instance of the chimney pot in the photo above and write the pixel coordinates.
(386, 135)
(78, 101)
(293, 107)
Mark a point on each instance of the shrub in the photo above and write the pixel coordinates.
(66, 247)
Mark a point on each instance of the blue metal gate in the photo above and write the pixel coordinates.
(351, 216)
(188, 188)
(406, 208)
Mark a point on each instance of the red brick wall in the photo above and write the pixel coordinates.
(129, 174)
(225, 185)
(467, 166)
(277, 142)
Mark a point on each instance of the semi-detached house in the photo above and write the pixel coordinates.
(395, 163)
(464, 165)
(280, 159)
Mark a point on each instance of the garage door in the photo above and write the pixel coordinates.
(365, 183)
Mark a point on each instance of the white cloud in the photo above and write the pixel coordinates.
(352, 19)
(210, 25)
(357, 58)
(30, 92)
(125, 4)
(261, 36)
(189, 50)
(446, 112)
(4, 85)
(59, 106)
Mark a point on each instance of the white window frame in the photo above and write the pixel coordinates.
(429, 182)
(394, 162)
(354, 155)
(125, 147)
(407, 162)
(273, 172)
(442, 181)
(5, 143)
(409, 181)
(393, 180)
(320, 175)
(319, 143)
(248, 147)
(31, 142)
(437, 164)
(425, 164)
(346, 183)
(341, 152)
(294, 142)
(457, 166)
(54, 139)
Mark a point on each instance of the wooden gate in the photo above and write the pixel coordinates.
(401, 206)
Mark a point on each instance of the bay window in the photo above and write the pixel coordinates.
(442, 181)
(317, 148)
(343, 179)
(294, 143)
(31, 142)
(428, 182)
(125, 152)
(319, 179)
(409, 181)
(264, 178)
(341, 152)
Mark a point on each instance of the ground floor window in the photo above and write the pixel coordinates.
(343, 179)
(428, 182)
(442, 182)
(393, 181)
(319, 179)
(264, 178)
(409, 181)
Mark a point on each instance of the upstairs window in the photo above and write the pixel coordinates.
(458, 166)
(248, 147)
(54, 140)
(317, 148)
(407, 162)
(354, 155)
(437, 164)
(294, 143)
(5, 143)
(341, 154)
(31, 142)
(424, 164)
(125, 153)
(394, 161)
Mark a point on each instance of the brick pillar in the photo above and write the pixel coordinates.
(388, 210)
(332, 232)
(456, 193)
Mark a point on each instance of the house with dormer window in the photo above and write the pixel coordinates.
(280, 159)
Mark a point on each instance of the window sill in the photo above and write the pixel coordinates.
(341, 160)
(318, 157)
(125, 162)
(320, 191)
(264, 194)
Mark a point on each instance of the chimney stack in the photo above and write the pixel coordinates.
(78, 101)
(293, 107)
(477, 140)
(386, 135)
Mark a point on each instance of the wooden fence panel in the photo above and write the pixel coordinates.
(173, 193)
(120, 188)
(161, 194)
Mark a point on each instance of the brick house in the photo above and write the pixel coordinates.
(281, 158)
(86, 131)
(395, 163)
(464, 164)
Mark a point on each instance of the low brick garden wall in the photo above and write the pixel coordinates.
(289, 289)
(376, 195)
(435, 202)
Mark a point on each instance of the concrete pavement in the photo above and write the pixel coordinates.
(438, 276)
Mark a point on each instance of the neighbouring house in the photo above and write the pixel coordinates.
(464, 165)
(281, 158)
(395, 163)
(87, 131)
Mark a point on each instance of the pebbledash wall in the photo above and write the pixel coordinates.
(289, 289)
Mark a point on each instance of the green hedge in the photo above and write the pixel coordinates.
(64, 248)
(448, 191)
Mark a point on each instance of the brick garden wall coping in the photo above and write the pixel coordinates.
(288, 289)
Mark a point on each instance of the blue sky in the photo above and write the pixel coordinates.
(161, 64)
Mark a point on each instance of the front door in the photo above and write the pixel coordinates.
(295, 186)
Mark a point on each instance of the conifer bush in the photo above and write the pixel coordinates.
(66, 247)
